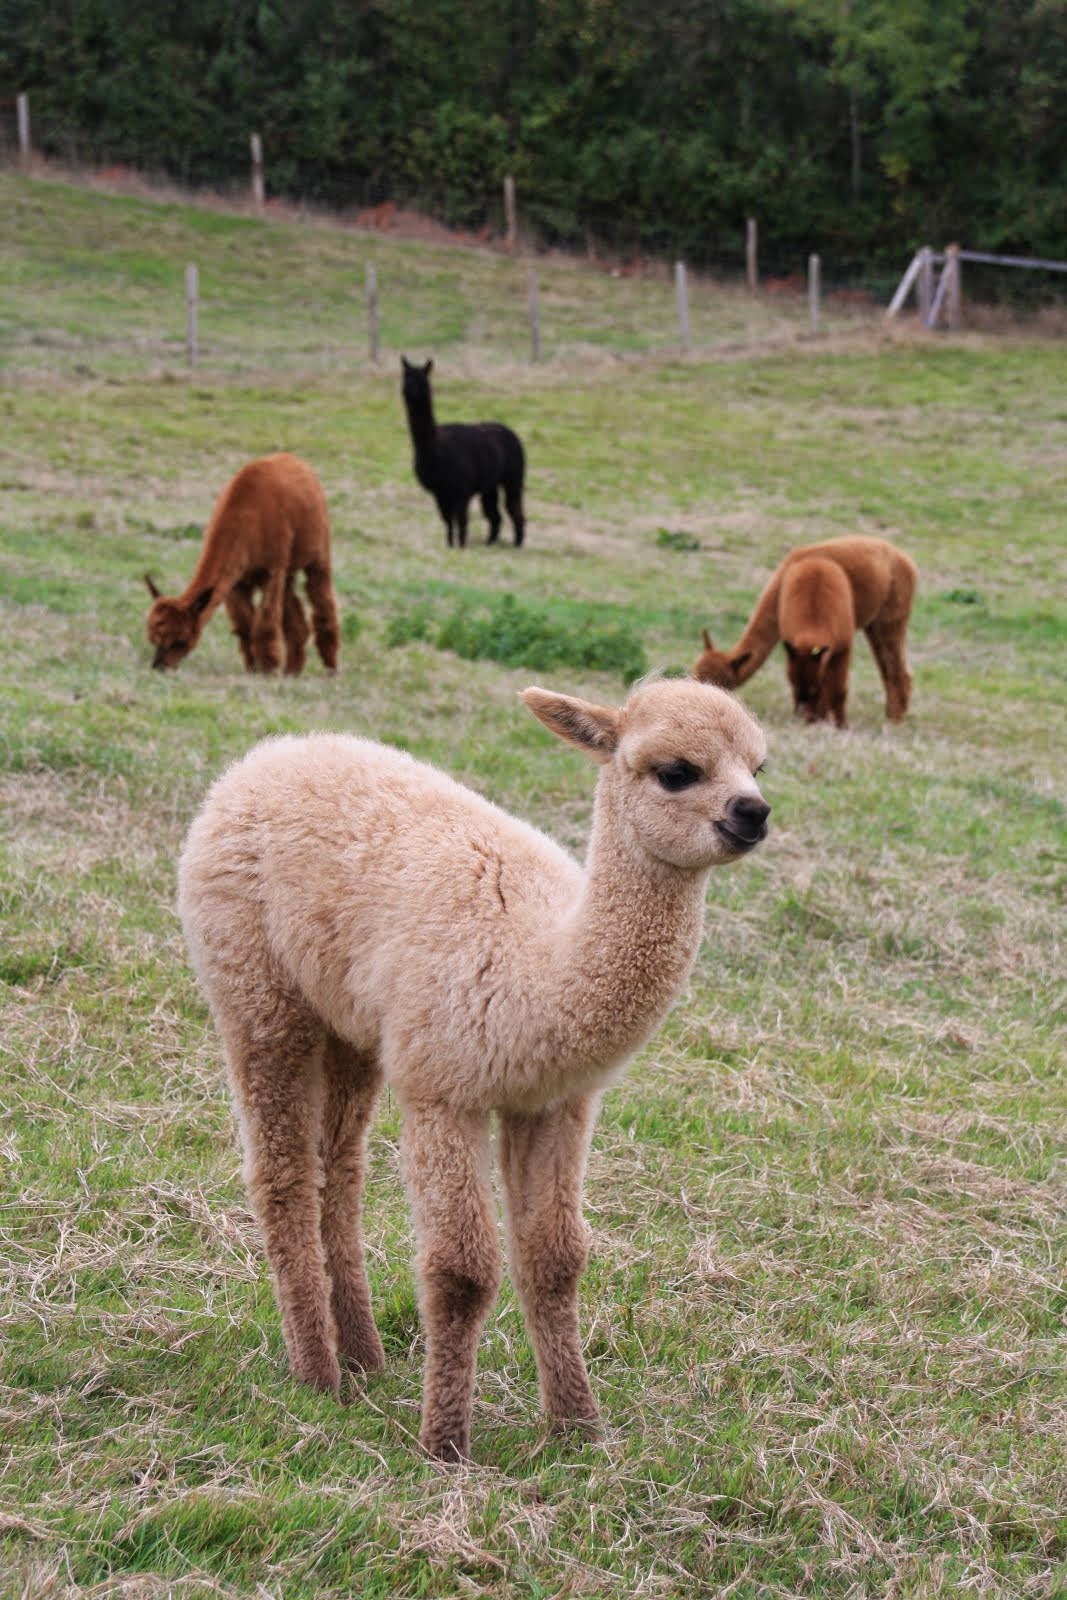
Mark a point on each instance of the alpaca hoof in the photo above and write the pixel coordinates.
(585, 1427)
(362, 1354)
(323, 1373)
(449, 1446)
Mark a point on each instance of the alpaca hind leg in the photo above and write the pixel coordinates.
(446, 1171)
(513, 501)
(462, 513)
(323, 605)
(296, 631)
(491, 508)
(267, 627)
(241, 615)
(275, 1068)
(542, 1163)
(352, 1081)
(886, 640)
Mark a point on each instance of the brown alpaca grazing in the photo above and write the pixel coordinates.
(356, 917)
(814, 603)
(269, 523)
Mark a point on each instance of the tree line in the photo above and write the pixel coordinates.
(860, 128)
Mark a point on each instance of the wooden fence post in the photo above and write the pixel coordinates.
(903, 288)
(955, 287)
(683, 302)
(372, 312)
(192, 295)
(258, 194)
(814, 291)
(535, 315)
(925, 283)
(510, 221)
(22, 108)
(751, 265)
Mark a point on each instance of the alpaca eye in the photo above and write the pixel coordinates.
(678, 775)
(761, 768)
(817, 651)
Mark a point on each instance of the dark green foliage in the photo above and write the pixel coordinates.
(861, 130)
(676, 539)
(523, 634)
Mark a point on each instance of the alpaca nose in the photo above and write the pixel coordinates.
(747, 816)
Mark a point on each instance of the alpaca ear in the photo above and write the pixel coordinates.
(706, 636)
(428, 368)
(153, 591)
(202, 601)
(594, 729)
(737, 662)
(406, 364)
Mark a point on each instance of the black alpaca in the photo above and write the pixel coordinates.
(462, 459)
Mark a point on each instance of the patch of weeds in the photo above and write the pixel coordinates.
(351, 627)
(524, 635)
(676, 539)
(411, 627)
(964, 597)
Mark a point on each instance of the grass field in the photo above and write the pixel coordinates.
(825, 1311)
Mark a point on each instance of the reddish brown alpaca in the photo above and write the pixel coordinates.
(269, 523)
(814, 603)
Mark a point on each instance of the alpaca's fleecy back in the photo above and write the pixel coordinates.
(377, 886)
(271, 514)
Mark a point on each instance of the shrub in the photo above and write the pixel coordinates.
(525, 635)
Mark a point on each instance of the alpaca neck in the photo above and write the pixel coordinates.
(421, 423)
(761, 633)
(628, 944)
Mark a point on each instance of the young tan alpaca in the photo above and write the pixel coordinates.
(814, 603)
(356, 917)
(269, 523)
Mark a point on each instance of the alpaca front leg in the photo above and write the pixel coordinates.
(352, 1083)
(239, 610)
(542, 1162)
(278, 1091)
(446, 1171)
(446, 517)
(267, 628)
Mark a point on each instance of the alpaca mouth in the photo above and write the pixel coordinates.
(741, 841)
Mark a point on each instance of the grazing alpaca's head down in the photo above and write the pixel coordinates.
(269, 524)
(174, 626)
(816, 601)
(722, 668)
(356, 917)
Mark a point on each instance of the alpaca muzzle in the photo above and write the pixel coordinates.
(745, 824)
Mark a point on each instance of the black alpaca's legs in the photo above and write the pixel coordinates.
(491, 508)
(513, 501)
(446, 517)
(461, 525)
